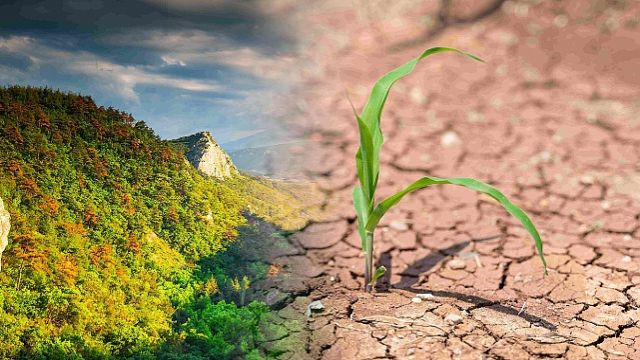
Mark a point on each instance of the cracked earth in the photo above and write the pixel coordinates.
(552, 119)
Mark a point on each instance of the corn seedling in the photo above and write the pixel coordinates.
(368, 166)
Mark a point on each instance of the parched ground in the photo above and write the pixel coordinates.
(552, 119)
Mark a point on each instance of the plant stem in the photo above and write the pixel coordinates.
(368, 263)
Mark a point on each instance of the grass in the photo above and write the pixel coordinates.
(368, 166)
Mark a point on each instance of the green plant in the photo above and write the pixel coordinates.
(116, 241)
(368, 165)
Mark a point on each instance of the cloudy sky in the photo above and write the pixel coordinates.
(180, 65)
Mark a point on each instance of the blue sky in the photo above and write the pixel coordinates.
(180, 65)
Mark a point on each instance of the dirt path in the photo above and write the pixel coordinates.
(552, 119)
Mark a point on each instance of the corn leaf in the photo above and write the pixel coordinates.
(472, 184)
(373, 110)
(362, 210)
(377, 275)
(363, 162)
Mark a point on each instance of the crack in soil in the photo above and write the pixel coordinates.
(537, 132)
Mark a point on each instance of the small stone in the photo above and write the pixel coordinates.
(417, 96)
(557, 138)
(399, 225)
(587, 180)
(450, 138)
(546, 156)
(561, 20)
(416, 300)
(626, 259)
(453, 318)
(475, 117)
(425, 296)
(457, 264)
(314, 306)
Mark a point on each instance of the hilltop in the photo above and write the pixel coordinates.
(289, 204)
(204, 153)
(109, 224)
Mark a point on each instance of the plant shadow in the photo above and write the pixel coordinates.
(409, 278)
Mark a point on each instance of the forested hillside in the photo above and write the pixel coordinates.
(108, 224)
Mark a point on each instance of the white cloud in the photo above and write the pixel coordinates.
(125, 78)
(199, 47)
(15, 43)
(272, 67)
(118, 78)
(178, 40)
(168, 60)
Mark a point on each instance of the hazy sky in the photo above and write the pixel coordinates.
(180, 65)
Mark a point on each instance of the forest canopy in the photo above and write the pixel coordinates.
(108, 223)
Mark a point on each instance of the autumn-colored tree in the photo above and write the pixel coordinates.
(49, 204)
(74, 229)
(29, 250)
(102, 255)
(30, 187)
(68, 269)
(166, 154)
(15, 168)
(133, 244)
(14, 134)
(136, 144)
(82, 181)
(90, 216)
(43, 120)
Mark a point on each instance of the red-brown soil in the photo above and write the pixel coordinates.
(552, 119)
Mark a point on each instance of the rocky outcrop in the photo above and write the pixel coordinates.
(5, 225)
(204, 153)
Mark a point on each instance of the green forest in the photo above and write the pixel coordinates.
(109, 228)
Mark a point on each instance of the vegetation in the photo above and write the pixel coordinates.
(288, 204)
(368, 165)
(109, 228)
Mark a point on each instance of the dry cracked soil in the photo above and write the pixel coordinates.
(552, 119)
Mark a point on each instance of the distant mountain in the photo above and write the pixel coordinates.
(279, 161)
(204, 153)
(259, 139)
(260, 178)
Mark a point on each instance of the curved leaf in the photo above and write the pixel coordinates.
(377, 275)
(469, 183)
(363, 163)
(372, 111)
(362, 210)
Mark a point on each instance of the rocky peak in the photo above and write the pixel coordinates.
(204, 153)
(5, 225)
